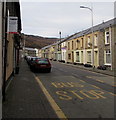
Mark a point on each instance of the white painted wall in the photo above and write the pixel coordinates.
(63, 51)
(37, 51)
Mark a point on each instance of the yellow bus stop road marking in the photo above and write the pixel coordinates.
(95, 86)
(88, 76)
(112, 94)
(100, 81)
(56, 108)
(83, 81)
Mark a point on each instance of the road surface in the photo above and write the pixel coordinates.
(78, 93)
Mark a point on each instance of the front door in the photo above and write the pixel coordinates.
(72, 57)
(96, 58)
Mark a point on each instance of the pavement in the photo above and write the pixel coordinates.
(25, 99)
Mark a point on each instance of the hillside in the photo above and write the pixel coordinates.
(38, 42)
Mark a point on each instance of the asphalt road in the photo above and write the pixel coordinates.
(78, 93)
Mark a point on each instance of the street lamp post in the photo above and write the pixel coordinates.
(92, 33)
(60, 35)
(60, 44)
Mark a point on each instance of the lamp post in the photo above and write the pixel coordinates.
(60, 35)
(91, 9)
(60, 45)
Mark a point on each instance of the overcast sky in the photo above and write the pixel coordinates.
(46, 19)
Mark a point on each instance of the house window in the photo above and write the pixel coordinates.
(63, 56)
(95, 40)
(81, 42)
(69, 56)
(108, 56)
(88, 41)
(107, 37)
(77, 57)
(77, 42)
(72, 45)
(89, 57)
(59, 47)
(68, 45)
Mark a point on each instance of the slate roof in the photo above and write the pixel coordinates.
(26, 48)
(99, 27)
(46, 47)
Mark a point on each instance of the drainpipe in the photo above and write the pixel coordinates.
(4, 26)
(1, 79)
(0, 58)
(0, 46)
(110, 32)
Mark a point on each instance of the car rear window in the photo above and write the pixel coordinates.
(43, 62)
(33, 59)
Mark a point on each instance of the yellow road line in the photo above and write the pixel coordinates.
(112, 94)
(95, 86)
(83, 81)
(95, 79)
(99, 80)
(88, 76)
(56, 108)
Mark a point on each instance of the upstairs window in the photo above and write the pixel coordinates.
(72, 45)
(81, 42)
(88, 41)
(95, 40)
(77, 43)
(107, 37)
(68, 45)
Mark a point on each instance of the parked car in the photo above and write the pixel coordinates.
(87, 65)
(32, 61)
(28, 59)
(102, 67)
(41, 64)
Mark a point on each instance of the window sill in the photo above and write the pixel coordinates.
(89, 62)
(107, 64)
(107, 43)
(77, 61)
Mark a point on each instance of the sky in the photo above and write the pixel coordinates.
(47, 19)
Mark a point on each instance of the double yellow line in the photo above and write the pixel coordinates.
(56, 108)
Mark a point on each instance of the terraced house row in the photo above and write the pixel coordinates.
(77, 48)
(10, 42)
